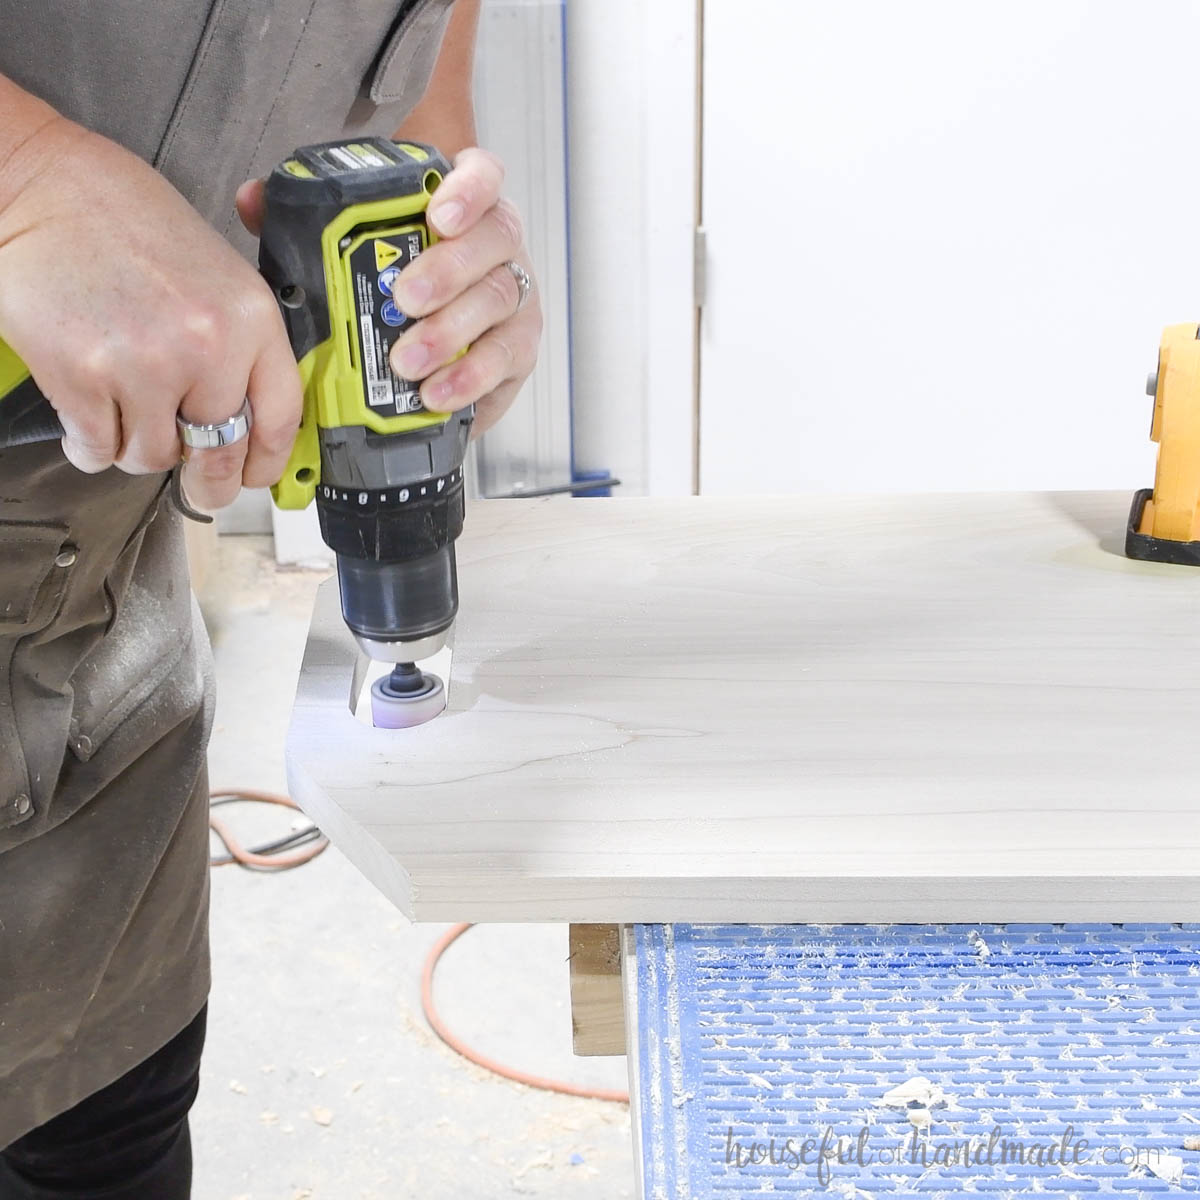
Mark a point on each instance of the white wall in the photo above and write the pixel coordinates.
(944, 240)
(631, 122)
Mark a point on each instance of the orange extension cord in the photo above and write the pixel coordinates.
(283, 862)
(249, 858)
(490, 1064)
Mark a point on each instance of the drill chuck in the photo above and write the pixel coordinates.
(390, 508)
(399, 611)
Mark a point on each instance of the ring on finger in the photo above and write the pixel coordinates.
(524, 282)
(220, 433)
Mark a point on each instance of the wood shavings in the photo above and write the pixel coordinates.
(545, 1159)
(1167, 1167)
(919, 1117)
(915, 1092)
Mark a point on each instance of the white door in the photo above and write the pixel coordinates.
(943, 239)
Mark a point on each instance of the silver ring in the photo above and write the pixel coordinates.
(524, 282)
(223, 433)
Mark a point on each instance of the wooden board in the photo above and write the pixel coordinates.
(942, 708)
(597, 997)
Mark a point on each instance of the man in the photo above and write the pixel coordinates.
(125, 129)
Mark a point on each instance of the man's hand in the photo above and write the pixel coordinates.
(463, 293)
(128, 309)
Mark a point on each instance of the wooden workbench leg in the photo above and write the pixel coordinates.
(597, 1000)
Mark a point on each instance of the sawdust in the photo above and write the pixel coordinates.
(976, 942)
(917, 1092)
(1168, 1167)
(544, 1159)
(920, 1118)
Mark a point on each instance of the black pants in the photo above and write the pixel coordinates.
(128, 1141)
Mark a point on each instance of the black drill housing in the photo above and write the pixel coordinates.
(395, 544)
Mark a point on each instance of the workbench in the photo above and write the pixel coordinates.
(795, 710)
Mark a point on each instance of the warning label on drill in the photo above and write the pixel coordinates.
(374, 266)
(385, 254)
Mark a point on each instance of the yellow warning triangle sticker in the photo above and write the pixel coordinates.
(385, 254)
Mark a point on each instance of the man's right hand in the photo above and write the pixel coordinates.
(128, 309)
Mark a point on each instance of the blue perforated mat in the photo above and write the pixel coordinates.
(1060, 1059)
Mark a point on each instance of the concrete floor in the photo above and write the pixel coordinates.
(321, 1078)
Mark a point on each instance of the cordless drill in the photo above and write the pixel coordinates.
(342, 220)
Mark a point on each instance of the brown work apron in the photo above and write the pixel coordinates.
(105, 687)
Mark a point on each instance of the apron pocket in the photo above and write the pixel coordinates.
(405, 64)
(127, 668)
(35, 561)
(149, 634)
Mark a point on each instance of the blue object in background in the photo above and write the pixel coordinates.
(578, 476)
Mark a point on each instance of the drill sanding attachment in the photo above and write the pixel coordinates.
(406, 697)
